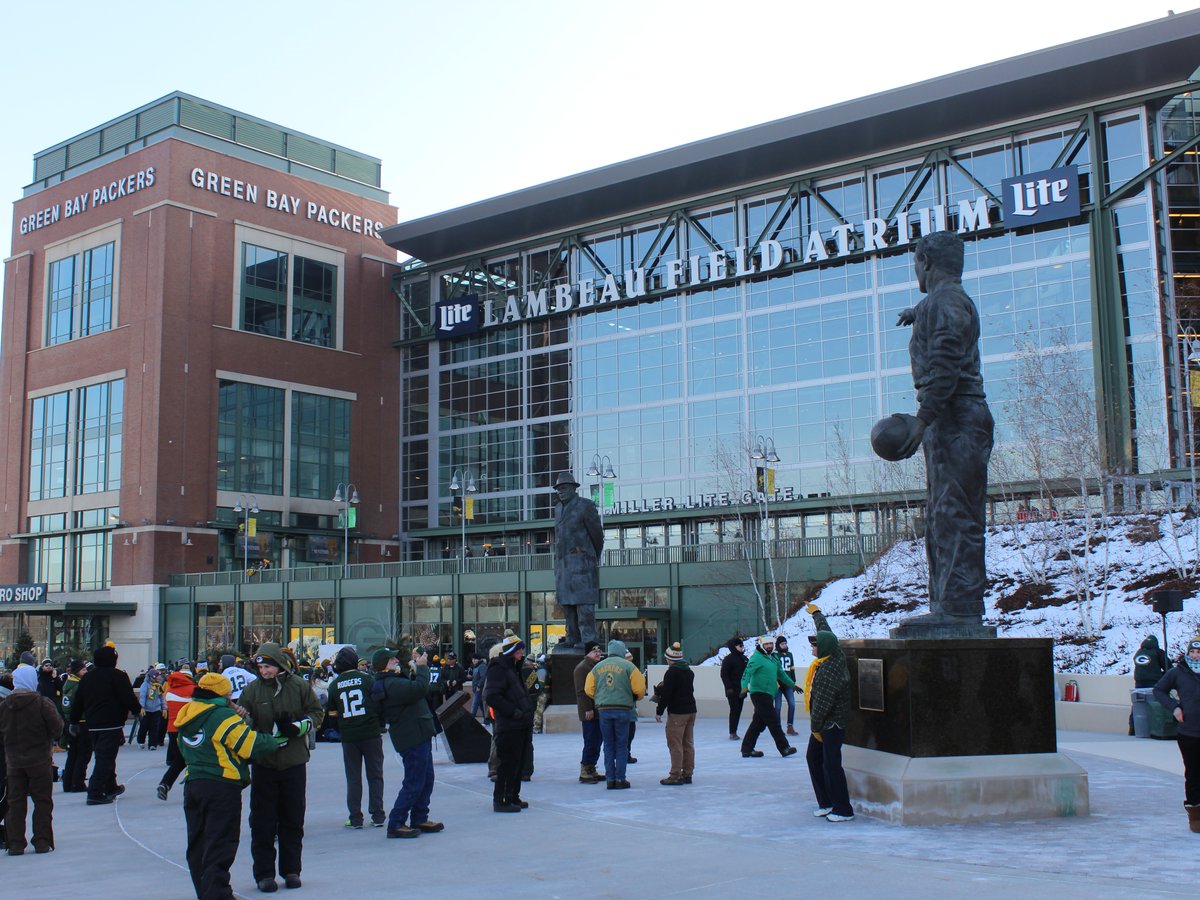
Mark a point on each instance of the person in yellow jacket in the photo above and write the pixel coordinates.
(616, 685)
(216, 746)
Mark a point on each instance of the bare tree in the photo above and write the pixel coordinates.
(1054, 419)
(736, 475)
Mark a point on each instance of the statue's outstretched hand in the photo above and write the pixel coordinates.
(907, 316)
(916, 430)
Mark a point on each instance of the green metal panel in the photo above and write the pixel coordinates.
(255, 134)
(118, 134)
(309, 152)
(80, 151)
(312, 590)
(176, 637)
(253, 590)
(205, 118)
(710, 615)
(492, 583)
(366, 587)
(50, 163)
(356, 167)
(367, 622)
(213, 594)
(156, 118)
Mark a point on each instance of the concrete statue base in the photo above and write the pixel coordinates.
(937, 790)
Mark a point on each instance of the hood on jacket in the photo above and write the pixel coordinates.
(734, 643)
(827, 643)
(274, 652)
(177, 680)
(25, 678)
(194, 711)
(106, 657)
(1150, 644)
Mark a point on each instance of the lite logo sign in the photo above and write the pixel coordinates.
(458, 317)
(1041, 197)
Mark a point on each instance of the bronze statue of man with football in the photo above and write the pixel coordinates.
(954, 426)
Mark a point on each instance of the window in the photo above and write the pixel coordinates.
(79, 432)
(75, 558)
(269, 437)
(320, 444)
(288, 289)
(249, 438)
(80, 294)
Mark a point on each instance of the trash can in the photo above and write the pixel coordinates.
(1141, 698)
(1162, 724)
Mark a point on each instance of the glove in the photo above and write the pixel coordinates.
(280, 741)
(294, 729)
(73, 730)
(811, 608)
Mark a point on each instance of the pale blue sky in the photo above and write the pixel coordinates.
(465, 100)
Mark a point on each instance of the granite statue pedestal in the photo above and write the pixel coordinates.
(561, 714)
(945, 730)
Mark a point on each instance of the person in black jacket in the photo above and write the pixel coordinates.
(1184, 680)
(507, 696)
(732, 667)
(677, 695)
(104, 700)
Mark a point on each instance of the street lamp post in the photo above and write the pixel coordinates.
(348, 494)
(249, 506)
(601, 467)
(763, 451)
(463, 480)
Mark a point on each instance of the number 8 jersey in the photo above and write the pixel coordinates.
(357, 713)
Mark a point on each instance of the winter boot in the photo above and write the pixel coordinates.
(1193, 812)
(588, 775)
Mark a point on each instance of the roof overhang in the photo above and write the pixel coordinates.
(73, 608)
(1158, 54)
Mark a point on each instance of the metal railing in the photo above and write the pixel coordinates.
(867, 546)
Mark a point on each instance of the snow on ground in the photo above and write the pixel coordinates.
(1085, 582)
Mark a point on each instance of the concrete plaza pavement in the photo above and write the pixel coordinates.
(745, 824)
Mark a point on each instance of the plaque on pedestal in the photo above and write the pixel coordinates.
(562, 675)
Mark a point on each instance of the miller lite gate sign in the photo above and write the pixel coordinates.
(1030, 199)
(23, 593)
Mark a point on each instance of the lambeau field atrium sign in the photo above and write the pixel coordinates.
(1027, 200)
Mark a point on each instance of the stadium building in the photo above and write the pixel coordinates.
(704, 336)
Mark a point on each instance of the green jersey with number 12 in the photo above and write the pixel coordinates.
(357, 712)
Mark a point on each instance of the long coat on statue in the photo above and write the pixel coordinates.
(578, 539)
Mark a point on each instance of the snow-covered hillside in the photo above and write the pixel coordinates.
(1085, 582)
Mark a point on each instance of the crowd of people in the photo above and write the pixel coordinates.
(254, 723)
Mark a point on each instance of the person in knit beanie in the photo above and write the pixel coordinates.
(676, 695)
(356, 712)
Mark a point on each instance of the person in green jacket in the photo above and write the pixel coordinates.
(827, 699)
(761, 680)
(402, 693)
(216, 746)
(282, 702)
